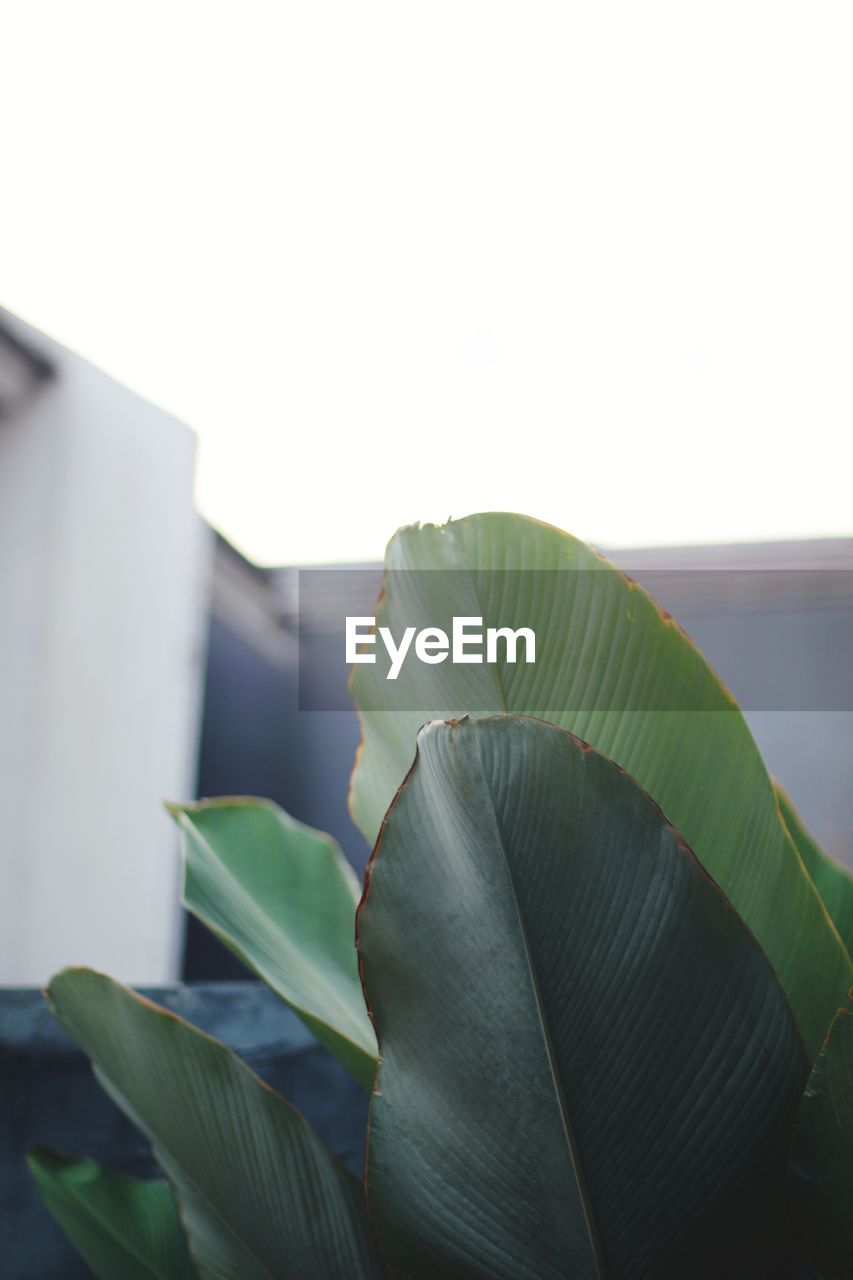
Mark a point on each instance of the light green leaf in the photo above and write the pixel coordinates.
(121, 1226)
(282, 897)
(260, 1195)
(618, 672)
(822, 1153)
(587, 1065)
(833, 882)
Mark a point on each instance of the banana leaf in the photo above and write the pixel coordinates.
(616, 670)
(122, 1227)
(282, 896)
(587, 1065)
(260, 1195)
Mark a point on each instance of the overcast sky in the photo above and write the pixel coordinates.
(399, 261)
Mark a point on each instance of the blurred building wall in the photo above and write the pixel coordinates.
(114, 616)
(103, 606)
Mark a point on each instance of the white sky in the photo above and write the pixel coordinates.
(400, 261)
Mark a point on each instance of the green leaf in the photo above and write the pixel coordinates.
(260, 1195)
(121, 1226)
(822, 1153)
(283, 897)
(587, 1066)
(833, 882)
(617, 671)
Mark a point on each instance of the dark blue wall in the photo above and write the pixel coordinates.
(256, 741)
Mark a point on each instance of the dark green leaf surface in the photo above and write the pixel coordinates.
(587, 1066)
(621, 663)
(283, 897)
(833, 882)
(124, 1229)
(822, 1155)
(260, 1195)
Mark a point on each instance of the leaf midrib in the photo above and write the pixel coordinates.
(562, 1102)
(182, 1175)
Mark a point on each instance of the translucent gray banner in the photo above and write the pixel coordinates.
(583, 640)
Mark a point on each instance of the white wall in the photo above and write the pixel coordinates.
(103, 581)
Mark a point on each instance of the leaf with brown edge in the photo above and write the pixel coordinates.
(587, 1065)
(260, 1195)
(614, 669)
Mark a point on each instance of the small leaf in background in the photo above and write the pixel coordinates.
(833, 882)
(260, 1195)
(822, 1154)
(282, 897)
(124, 1228)
(617, 671)
(587, 1065)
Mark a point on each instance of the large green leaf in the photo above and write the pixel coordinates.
(587, 1065)
(833, 882)
(121, 1226)
(260, 1194)
(822, 1154)
(283, 897)
(617, 671)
